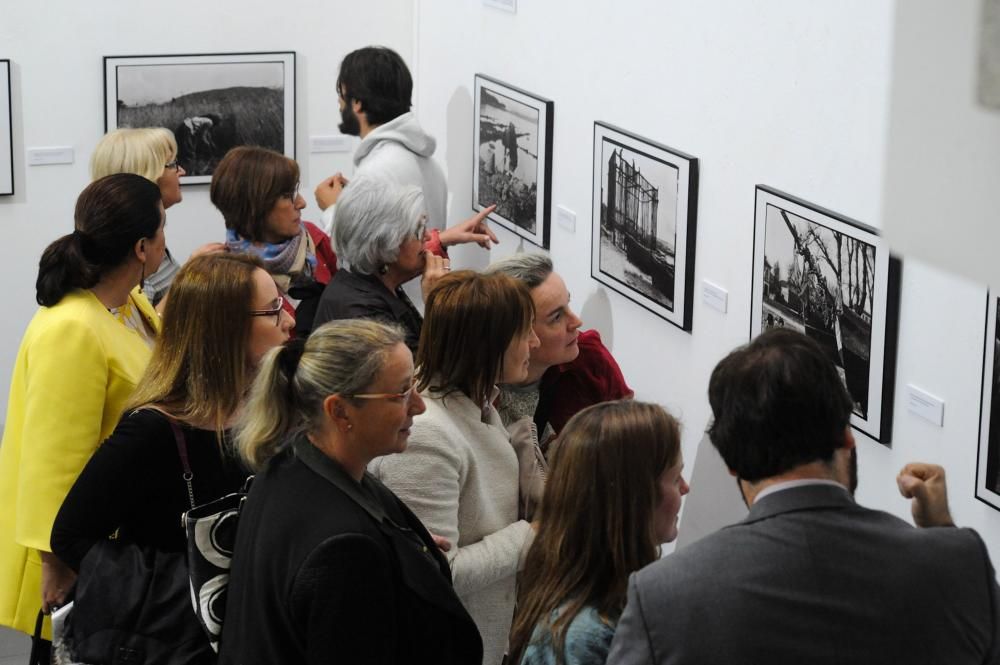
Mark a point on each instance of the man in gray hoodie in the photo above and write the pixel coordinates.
(375, 87)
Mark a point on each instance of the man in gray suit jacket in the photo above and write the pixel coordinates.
(810, 576)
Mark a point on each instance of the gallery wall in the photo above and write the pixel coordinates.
(789, 94)
(57, 71)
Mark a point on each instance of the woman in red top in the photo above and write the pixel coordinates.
(257, 192)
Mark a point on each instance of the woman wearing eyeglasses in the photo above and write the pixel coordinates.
(382, 240)
(152, 153)
(224, 313)
(257, 192)
(329, 565)
(460, 472)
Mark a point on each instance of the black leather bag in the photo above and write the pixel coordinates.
(133, 605)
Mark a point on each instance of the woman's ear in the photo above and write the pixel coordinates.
(140, 249)
(336, 412)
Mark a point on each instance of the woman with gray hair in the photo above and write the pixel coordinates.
(328, 562)
(382, 242)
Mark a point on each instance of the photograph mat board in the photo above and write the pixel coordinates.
(6, 132)
(656, 188)
(211, 102)
(841, 334)
(988, 462)
(512, 149)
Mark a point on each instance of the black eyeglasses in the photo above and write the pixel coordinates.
(172, 165)
(275, 311)
(292, 195)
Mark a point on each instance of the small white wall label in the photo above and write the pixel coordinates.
(925, 405)
(51, 155)
(714, 296)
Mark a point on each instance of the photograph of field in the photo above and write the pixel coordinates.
(210, 104)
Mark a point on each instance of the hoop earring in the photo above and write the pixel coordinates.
(384, 269)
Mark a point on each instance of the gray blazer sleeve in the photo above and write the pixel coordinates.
(631, 644)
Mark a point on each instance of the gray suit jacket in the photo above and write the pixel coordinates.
(811, 577)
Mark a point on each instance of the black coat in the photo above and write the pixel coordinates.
(351, 295)
(326, 570)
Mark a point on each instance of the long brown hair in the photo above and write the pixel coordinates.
(199, 370)
(470, 321)
(596, 520)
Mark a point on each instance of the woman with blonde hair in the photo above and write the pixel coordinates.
(328, 563)
(150, 152)
(612, 496)
(79, 360)
(460, 472)
(223, 314)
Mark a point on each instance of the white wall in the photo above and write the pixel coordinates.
(782, 92)
(56, 50)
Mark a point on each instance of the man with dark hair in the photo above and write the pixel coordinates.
(374, 87)
(810, 576)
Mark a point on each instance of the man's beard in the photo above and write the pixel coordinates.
(349, 124)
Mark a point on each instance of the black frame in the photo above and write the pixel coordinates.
(543, 207)
(887, 275)
(8, 160)
(988, 465)
(287, 58)
(681, 312)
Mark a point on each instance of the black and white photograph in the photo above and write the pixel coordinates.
(644, 217)
(988, 466)
(831, 278)
(6, 132)
(211, 103)
(513, 158)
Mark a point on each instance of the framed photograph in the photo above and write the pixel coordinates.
(645, 202)
(988, 465)
(211, 102)
(512, 158)
(833, 279)
(6, 132)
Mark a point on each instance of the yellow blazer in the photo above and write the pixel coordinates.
(75, 369)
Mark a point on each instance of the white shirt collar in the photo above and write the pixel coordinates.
(792, 484)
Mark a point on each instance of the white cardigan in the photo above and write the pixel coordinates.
(460, 476)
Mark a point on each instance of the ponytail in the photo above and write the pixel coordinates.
(112, 214)
(269, 411)
(62, 268)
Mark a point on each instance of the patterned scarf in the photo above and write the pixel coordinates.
(291, 263)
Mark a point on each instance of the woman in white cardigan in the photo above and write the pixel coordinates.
(459, 473)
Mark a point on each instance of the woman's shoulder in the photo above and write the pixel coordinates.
(588, 640)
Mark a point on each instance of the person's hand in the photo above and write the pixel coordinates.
(925, 484)
(442, 543)
(57, 580)
(209, 248)
(435, 268)
(473, 229)
(328, 191)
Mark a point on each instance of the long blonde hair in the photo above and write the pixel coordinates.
(143, 151)
(287, 396)
(199, 371)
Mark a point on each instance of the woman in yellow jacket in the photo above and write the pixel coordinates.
(79, 361)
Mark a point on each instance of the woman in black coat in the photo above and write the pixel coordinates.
(329, 564)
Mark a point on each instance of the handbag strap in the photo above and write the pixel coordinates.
(182, 451)
(35, 657)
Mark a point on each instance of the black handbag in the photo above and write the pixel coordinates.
(132, 603)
